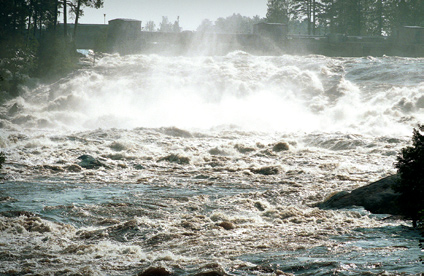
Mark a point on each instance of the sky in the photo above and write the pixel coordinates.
(191, 12)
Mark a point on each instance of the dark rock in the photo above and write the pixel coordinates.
(243, 149)
(175, 158)
(2, 159)
(155, 271)
(260, 206)
(282, 146)
(378, 197)
(139, 167)
(201, 176)
(227, 225)
(270, 170)
(89, 162)
(15, 214)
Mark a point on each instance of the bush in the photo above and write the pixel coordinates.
(17, 61)
(56, 58)
(410, 165)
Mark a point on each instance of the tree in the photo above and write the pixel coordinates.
(77, 10)
(165, 26)
(65, 19)
(410, 165)
(176, 27)
(234, 24)
(150, 26)
(307, 10)
(206, 26)
(277, 11)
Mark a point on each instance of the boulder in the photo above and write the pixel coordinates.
(89, 162)
(378, 197)
(227, 225)
(155, 271)
(175, 158)
(269, 170)
(281, 146)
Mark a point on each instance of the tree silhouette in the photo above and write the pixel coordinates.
(77, 9)
(277, 11)
(410, 165)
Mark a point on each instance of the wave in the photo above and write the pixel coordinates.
(284, 93)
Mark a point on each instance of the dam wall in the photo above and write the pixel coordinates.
(127, 37)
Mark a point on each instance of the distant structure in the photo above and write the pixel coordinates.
(126, 37)
(276, 31)
(411, 35)
(88, 36)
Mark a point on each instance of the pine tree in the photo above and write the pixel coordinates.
(410, 165)
(277, 11)
(77, 9)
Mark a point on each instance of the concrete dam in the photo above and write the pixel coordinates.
(126, 36)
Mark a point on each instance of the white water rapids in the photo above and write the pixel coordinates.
(182, 141)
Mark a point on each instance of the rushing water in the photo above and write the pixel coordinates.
(208, 165)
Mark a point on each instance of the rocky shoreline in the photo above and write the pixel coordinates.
(378, 197)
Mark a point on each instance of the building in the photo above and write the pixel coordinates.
(275, 31)
(410, 35)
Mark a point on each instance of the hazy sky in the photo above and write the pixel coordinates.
(191, 12)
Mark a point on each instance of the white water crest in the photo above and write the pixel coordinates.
(283, 93)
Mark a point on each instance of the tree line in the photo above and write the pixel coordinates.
(235, 23)
(319, 17)
(351, 17)
(30, 45)
(30, 16)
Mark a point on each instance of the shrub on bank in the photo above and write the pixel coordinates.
(23, 57)
(56, 57)
(410, 165)
(17, 61)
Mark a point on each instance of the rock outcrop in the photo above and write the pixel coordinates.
(89, 162)
(378, 197)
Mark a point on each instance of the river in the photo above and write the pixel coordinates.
(208, 164)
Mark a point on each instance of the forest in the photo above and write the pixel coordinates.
(30, 44)
(350, 17)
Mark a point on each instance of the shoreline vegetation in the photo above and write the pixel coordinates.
(31, 44)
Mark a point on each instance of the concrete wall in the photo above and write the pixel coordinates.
(89, 36)
(411, 35)
(125, 36)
